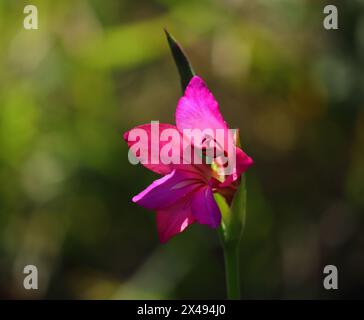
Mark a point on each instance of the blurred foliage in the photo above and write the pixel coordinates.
(97, 68)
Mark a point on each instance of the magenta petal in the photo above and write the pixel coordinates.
(204, 207)
(198, 109)
(173, 220)
(145, 146)
(168, 190)
(243, 162)
(160, 148)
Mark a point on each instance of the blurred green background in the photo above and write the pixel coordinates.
(95, 69)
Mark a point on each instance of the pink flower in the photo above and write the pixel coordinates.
(184, 194)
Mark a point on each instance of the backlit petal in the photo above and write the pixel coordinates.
(198, 109)
(168, 189)
(204, 207)
(174, 219)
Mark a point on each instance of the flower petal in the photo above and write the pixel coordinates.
(198, 109)
(204, 207)
(243, 162)
(168, 189)
(162, 148)
(145, 144)
(174, 219)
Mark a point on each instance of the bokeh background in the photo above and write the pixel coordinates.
(95, 69)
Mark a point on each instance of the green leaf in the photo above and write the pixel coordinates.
(224, 208)
(236, 223)
(184, 67)
(225, 215)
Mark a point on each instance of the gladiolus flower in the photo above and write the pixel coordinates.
(184, 193)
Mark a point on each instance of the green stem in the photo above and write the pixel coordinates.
(231, 255)
(230, 232)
